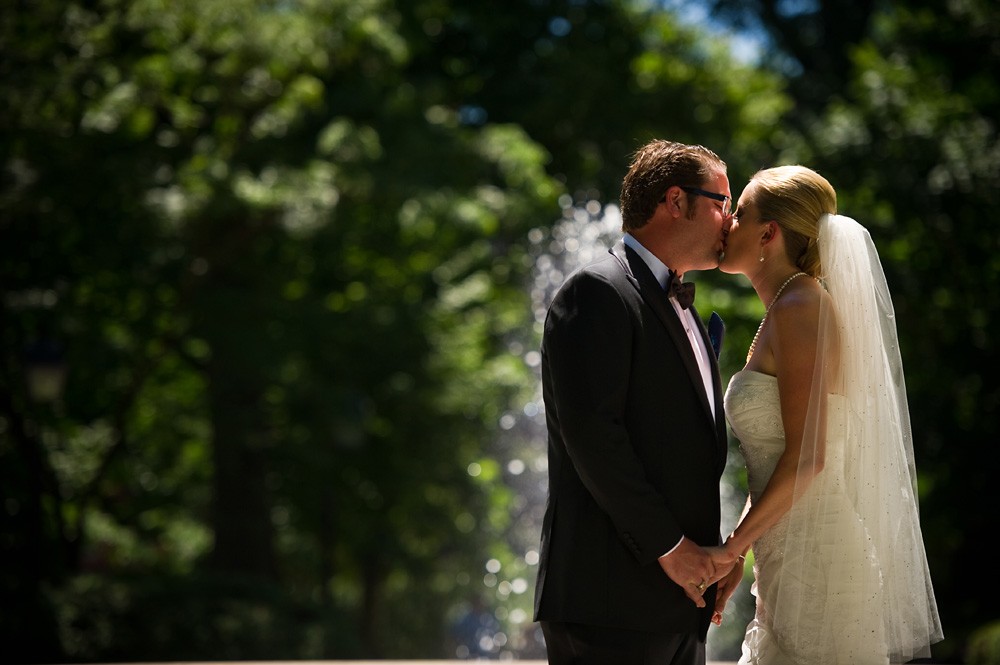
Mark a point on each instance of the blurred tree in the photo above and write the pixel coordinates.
(284, 247)
(914, 142)
(592, 81)
(809, 41)
(283, 316)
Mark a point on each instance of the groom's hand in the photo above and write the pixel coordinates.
(692, 568)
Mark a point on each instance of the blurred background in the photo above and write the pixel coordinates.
(273, 274)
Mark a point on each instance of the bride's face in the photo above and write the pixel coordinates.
(743, 241)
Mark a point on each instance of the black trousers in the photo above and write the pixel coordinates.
(579, 644)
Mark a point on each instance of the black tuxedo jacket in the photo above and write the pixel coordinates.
(635, 455)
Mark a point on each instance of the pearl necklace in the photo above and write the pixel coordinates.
(767, 311)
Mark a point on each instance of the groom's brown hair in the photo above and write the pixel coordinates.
(658, 166)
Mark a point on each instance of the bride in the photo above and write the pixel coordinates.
(840, 573)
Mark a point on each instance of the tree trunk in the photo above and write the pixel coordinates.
(241, 515)
(372, 579)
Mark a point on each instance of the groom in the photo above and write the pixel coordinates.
(636, 432)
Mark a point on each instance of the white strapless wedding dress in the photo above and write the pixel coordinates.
(818, 604)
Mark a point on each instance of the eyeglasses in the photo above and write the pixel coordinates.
(727, 202)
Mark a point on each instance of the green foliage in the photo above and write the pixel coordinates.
(107, 617)
(282, 335)
(294, 256)
(984, 645)
(935, 115)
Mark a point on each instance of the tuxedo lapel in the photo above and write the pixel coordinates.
(642, 279)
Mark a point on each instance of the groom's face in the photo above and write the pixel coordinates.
(709, 222)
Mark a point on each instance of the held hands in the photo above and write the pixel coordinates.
(694, 568)
(727, 585)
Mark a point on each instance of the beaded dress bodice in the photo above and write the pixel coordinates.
(754, 414)
(753, 410)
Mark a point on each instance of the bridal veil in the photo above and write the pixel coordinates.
(874, 565)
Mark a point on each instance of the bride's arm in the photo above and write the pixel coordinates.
(793, 347)
(726, 560)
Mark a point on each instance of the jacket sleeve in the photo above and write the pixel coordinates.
(587, 357)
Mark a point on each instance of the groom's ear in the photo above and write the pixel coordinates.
(673, 199)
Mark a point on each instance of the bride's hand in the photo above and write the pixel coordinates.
(724, 560)
(727, 586)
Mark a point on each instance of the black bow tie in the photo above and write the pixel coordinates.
(684, 292)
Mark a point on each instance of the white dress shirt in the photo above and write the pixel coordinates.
(686, 316)
(662, 274)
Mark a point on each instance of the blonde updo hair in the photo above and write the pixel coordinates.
(795, 197)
